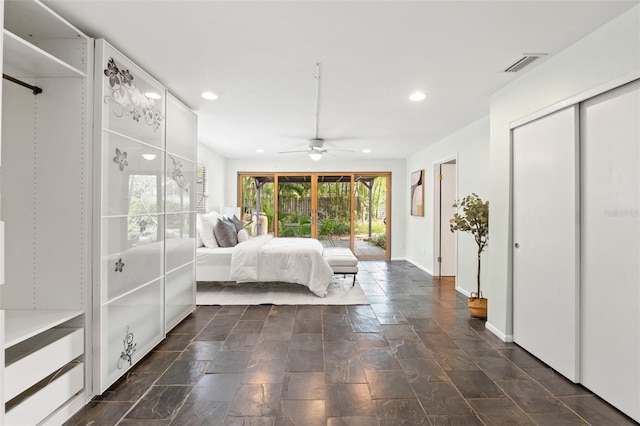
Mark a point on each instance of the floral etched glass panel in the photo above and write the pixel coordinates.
(132, 177)
(180, 239)
(132, 253)
(180, 188)
(132, 325)
(181, 129)
(133, 102)
(179, 292)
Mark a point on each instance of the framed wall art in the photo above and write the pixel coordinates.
(417, 193)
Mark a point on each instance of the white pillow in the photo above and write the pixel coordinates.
(199, 242)
(243, 235)
(208, 221)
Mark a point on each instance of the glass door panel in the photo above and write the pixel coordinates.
(295, 208)
(257, 204)
(334, 210)
(370, 211)
(339, 209)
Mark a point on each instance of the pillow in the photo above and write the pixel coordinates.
(225, 233)
(243, 235)
(199, 242)
(236, 222)
(208, 221)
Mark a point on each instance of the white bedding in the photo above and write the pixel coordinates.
(263, 259)
(293, 260)
(213, 264)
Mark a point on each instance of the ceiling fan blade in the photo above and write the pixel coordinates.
(343, 150)
(291, 152)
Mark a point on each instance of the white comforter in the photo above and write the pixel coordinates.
(292, 260)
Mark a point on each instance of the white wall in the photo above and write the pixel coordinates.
(605, 55)
(217, 169)
(471, 146)
(399, 183)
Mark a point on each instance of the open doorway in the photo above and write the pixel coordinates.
(444, 195)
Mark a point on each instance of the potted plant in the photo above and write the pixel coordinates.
(474, 220)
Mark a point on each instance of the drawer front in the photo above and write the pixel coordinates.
(30, 369)
(46, 400)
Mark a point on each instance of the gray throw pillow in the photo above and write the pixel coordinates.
(236, 222)
(225, 233)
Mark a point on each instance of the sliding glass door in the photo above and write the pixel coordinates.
(295, 211)
(371, 222)
(257, 203)
(334, 216)
(339, 209)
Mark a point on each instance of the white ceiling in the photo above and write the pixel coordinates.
(260, 56)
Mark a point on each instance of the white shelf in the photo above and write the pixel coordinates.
(24, 60)
(21, 324)
(32, 19)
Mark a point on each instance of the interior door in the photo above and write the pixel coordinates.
(545, 236)
(610, 129)
(446, 241)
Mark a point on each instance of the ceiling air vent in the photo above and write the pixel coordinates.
(524, 61)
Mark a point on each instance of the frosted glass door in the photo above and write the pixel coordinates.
(133, 103)
(545, 236)
(610, 129)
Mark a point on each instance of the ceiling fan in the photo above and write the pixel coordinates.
(316, 144)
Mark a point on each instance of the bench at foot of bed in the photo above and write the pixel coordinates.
(342, 261)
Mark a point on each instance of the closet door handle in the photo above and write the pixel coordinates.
(516, 245)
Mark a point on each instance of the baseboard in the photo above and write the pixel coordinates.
(463, 291)
(417, 265)
(504, 337)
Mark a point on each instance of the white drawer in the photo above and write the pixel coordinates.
(47, 399)
(32, 360)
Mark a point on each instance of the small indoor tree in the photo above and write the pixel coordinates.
(474, 220)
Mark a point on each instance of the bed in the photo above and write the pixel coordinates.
(267, 259)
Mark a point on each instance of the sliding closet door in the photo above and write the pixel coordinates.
(545, 236)
(610, 128)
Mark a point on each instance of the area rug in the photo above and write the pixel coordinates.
(341, 292)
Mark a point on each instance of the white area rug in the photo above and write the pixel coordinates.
(229, 293)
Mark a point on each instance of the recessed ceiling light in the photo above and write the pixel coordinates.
(259, 150)
(366, 150)
(209, 96)
(153, 95)
(417, 96)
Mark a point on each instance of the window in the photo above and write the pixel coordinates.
(202, 188)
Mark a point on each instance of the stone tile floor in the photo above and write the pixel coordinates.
(412, 357)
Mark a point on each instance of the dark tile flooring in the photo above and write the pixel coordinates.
(412, 357)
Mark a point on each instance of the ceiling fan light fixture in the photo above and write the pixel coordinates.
(315, 155)
(210, 96)
(417, 96)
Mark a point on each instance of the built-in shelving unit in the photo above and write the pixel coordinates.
(29, 61)
(46, 208)
(22, 324)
